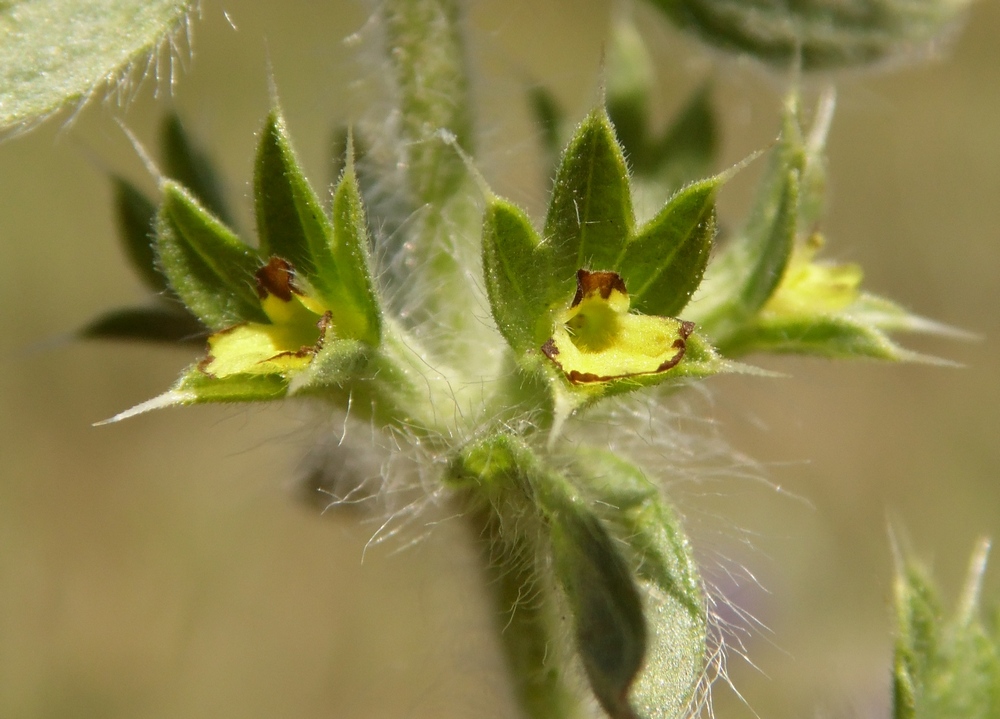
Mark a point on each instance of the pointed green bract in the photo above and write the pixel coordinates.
(331, 255)
(944, 666)
(770, 237)
(354, 303)
(663, 265)
(291, 223)
(590, 212)
(834, 337)
(186, 163)
(208, 267)
(136, 216)
(516, 269)
(741, 280)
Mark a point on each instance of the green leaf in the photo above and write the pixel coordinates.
(816, 34)
(150, 324)
(663, 264)
(607, 609)
(838, 336)
(516, 268)
(597, 583)
(136, 215)
(590, 211)
(54, 52)
(749, 269)
(186, 163)
(770, 237)
(291, 223)
(208, 267)
(918, 616)
(355, 307)
(661, 557)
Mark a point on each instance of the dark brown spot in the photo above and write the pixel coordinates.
(549, 349)
(276, 278)
(577, 377)
(603, 282)
(680, 346)
(325, 322)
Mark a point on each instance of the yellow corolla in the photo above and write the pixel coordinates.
(295, 334)
(597, 339)
(810, 287)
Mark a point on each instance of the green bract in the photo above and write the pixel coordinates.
(944, 666)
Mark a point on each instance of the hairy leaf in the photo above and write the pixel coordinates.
(944, 666)
(354, 303)
(208, 267)
(663, 265)
(53, 52)
(818, 34)
(662, 559)
(607, 609)
(590, 212)
(515, 266)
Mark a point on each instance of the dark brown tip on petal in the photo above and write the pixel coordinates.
(577, 377)
(275, 278)
(681, 347)
(686, 328)
(603, 282)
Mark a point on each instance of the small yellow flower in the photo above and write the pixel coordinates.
(295, 334)
(597, 339)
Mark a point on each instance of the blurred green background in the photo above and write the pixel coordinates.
(164, 568)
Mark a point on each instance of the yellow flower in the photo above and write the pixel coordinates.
(597, 339)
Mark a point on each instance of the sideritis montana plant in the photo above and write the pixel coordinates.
(504, 354)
